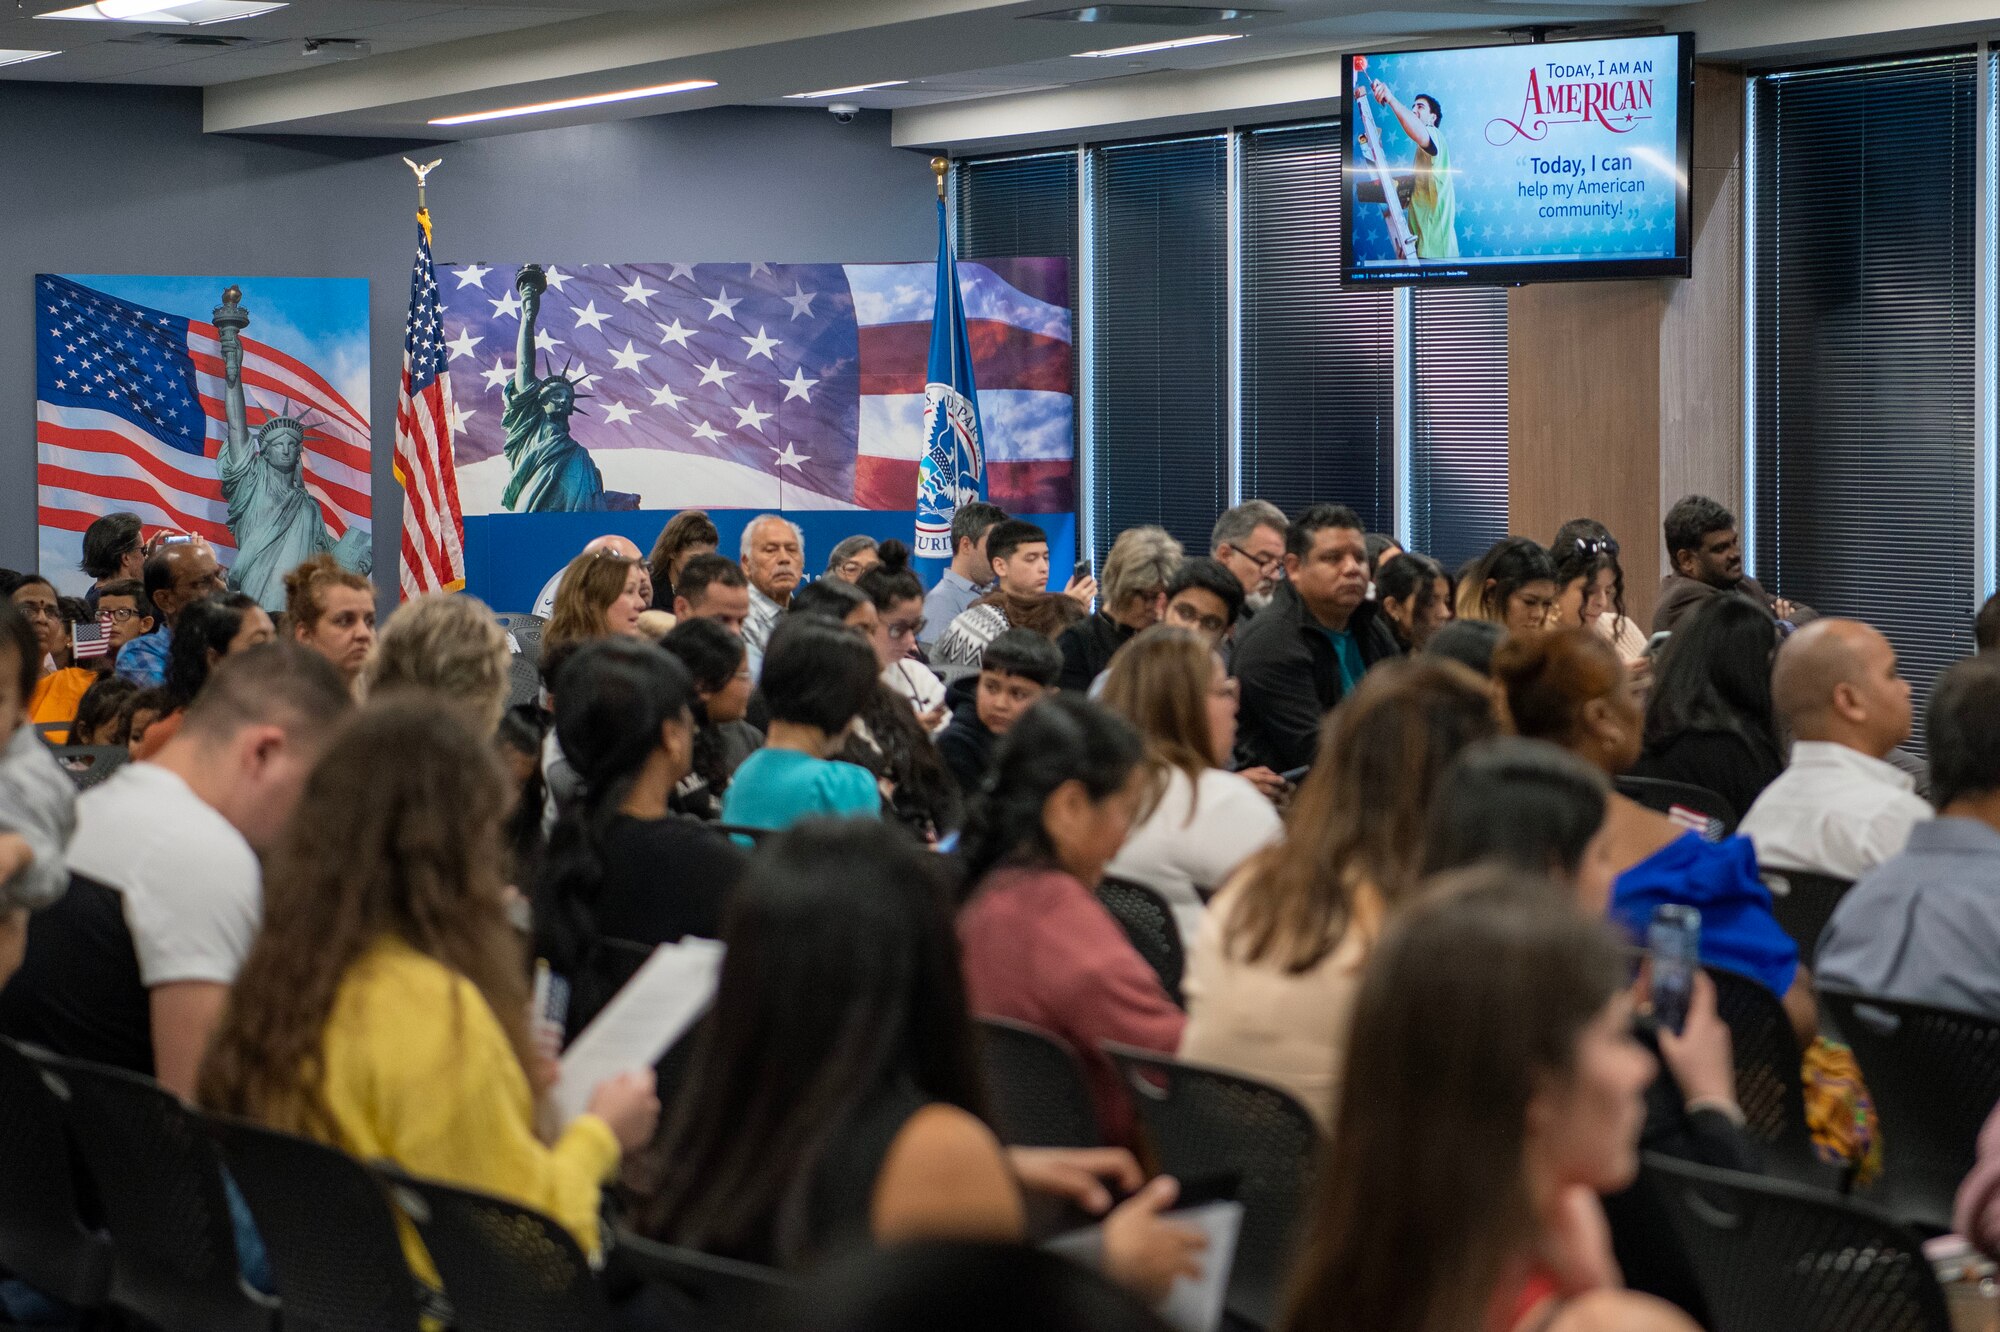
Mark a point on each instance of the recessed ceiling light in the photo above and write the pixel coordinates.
(843, 92)
(571, 103)
(1173, 45)
(195, 12)
(8, 57)
(1175, 16)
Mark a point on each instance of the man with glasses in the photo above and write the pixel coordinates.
(180, 571)
(1249, 541)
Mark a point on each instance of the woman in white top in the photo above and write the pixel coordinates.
(899, 610)
(1198, 823)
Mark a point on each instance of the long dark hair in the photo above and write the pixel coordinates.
(1588, 537)
(399, 837)
(1510, 566)
(712, 655)
(1528, 804)
(1472, 999)
(690, 527)
(1715, 675)
(924, 797)
(841, 980)
(612, 698)
(204, 626)
(1061, 738)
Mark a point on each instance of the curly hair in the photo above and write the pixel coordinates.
(305, 590)
(399, 838)
(450, 646)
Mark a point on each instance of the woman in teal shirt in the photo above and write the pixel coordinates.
(817, 677)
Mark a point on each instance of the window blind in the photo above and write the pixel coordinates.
(1863, 184)
(1318, 361)
(1160, 346)
(1012, 206)
(1458, 423)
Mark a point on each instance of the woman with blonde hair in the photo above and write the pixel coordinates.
(450, 646)
(331, 610)
(1197, 822)
(384, 1006)
(1274, 969)
(1132, 597)
(601, 594)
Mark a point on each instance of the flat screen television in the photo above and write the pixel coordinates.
(1539, 162)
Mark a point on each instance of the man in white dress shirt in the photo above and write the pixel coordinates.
(1839, 808)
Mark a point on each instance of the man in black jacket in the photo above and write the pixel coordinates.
(1313, 643)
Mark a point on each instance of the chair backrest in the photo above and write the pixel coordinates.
(1203, 1123)
(1149, 923)
(526, 627)
(158, 1179)
(1035, 1087)
(524, 680)
(1934, 1075)
(327, 1227)
(1769, 1085)
(87, 765)
(505, 1267)
(701, 1292)
(1667, 797)
(1771, 1256)
(43, 1237)
(1803, 904)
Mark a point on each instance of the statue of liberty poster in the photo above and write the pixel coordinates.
(231, 409)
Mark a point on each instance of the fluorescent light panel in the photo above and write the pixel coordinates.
(572, 103)
(198, 13)
(1174, 44)
(9, 57)
(844, 92)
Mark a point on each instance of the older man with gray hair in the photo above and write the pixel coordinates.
(774, 559)
(1249, 540)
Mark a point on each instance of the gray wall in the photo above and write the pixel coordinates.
(99, 179)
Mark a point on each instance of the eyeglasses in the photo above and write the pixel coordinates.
(118, 614)
(36, 610)
(1263, 560)
(906, 628)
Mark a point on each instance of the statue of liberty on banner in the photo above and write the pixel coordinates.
(276, 521)
(953, 469)
(552, 473)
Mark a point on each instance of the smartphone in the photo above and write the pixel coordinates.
(1082, 570)
(1658, 641)
(1673, 942)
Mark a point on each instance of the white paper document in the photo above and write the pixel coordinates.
(642, 1021)
(1195, 1303)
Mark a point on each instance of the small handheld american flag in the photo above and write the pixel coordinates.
(90, 638)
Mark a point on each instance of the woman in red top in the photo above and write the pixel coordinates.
(1039, 947)
(1493, 1091)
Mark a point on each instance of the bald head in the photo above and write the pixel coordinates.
(623, 547)
(1837, 681)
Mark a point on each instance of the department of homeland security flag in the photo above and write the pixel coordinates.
(953, 469)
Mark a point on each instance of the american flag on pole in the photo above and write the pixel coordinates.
(129, 416)
(433, 528)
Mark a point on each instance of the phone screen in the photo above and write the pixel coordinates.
(1673, 941)
(1082, 570)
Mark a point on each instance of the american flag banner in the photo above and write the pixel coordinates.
(130, 414)
(763, 385)
(433, 557)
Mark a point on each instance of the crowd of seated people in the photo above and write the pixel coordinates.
(1379, 805)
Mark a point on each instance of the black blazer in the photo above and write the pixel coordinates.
(1290, 679)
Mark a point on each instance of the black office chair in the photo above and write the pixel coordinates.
(527, 630)
(1769, 1085)
(505, 1268)
(1665, 797)
(1934, 1075)
(1035, 1087)
(87, 765)
(1204, 1124)
(693, 1292)
(1149, 923)
(158, 1179)
(1772, 1256)
(44, 1239)
(524, 680)
(1803, 904)
(327, 1227)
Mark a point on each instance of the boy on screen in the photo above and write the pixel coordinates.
(1434, 199)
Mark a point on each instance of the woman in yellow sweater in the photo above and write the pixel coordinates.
(384, 1006)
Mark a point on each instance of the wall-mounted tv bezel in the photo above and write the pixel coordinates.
(1513, 273)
